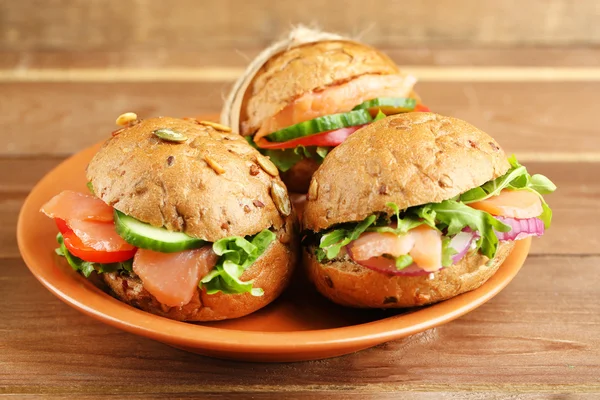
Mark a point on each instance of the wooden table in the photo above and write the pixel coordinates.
(540, 337)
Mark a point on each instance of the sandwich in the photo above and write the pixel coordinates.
(184, 219)
(308, 98)
(414, 209)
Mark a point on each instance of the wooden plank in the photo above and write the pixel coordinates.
(229, 74)
(576, 204)
(61, 118)
(339, 394)
(18, 178)
(22, 173)
(521, 116)
(119, 25)
(235, 57)
(538, 336)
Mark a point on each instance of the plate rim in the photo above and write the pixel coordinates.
(228, 340)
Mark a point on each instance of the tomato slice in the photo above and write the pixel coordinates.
(62, 226)
(325, 139)
(78, 249)
(421, 108)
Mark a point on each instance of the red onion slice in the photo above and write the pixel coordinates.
(520, 228)
(462, 243)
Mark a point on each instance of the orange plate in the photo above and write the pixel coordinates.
(301, 325)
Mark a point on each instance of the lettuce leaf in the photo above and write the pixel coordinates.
(287, 158)
(90, 187)
(517, 178)
(87, 267)
(403, 223)
(236, 255)
(284, 159)
(403, 261)
(452, 217)
(447, 252)
(380, 115)
(331, 243)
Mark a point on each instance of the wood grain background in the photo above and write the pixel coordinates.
(527, 72)
(69, 67)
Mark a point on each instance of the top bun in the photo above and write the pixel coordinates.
(408, 159)
(211, 186)
(284, 76)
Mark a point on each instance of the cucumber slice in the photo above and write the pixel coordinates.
(146, 236)
(388, 105)
(321, 124)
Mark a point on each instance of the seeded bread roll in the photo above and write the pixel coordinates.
(408, 159)
(349, 284)
(303, 69)
(271, 272)
(211, 186)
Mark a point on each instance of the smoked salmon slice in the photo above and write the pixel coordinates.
(337, 99)
(173, 277)
(519, 204)
(423, 244)
(374, 244)
(69, 205)
(100, 236)
(427, 252)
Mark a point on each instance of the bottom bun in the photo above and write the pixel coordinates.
(349, 284)
(297, 178)
(271, 272)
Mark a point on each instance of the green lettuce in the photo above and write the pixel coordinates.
(331, 243)
(380, 115)
(87, 267)
(452, 217)
(236, 255)
(447, 252)
(284, 159)
(517, 178)
(449, 216)
(404, 223)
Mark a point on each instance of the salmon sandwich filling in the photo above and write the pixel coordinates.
(94, 237)
(183, 219)
(425, 239)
